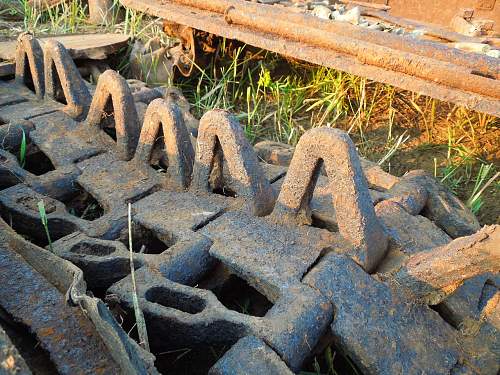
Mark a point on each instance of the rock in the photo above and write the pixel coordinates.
(375, 26)
(417, 33)
(352, 16)
(494, 53)
(322, 11)
(378, 328)
(398, 31)
(464, 27)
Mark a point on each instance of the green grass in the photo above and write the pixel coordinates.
(22, 150)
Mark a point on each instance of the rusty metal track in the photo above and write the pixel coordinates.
(300, 245)
(425, 67)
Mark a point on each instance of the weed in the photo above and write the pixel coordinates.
(475, 201)
(22, 150)
(139, 316)
(45, 222)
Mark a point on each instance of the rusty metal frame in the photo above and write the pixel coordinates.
(425, 67)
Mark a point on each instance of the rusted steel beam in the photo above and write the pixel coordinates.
(485, 64)
(322, 54)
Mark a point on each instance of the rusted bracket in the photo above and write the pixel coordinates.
(178, 146)
(57, 61)
(249, 181)
(184, 55)
(29, 63)
(353, 206)
(112, 86)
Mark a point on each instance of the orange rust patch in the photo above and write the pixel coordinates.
(49, 331)
(9, 363)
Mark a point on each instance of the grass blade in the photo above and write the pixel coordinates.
(139, 316)
(45, 222)
(22, 151)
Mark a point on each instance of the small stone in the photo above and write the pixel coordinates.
(464, 27)
(376, 26)
(494, 53)
(352, 16)
(417, 33)
(398, 31)
(322, 11)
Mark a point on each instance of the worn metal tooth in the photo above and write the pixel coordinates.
(29, 58)
(176, 139)
(112, 86)
(57, 60)
(356, 217)
(135, 179)
(244, 168)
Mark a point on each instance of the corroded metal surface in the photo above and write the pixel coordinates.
(263, 260)
(427, 67)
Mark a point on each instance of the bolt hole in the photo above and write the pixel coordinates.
(28, 78)
(329, 225)
(84, 206)
(59, 95)
(145, 240)
(170, 298)
(38, 163)
(108, 119)
(235, 293)
(224, 191)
